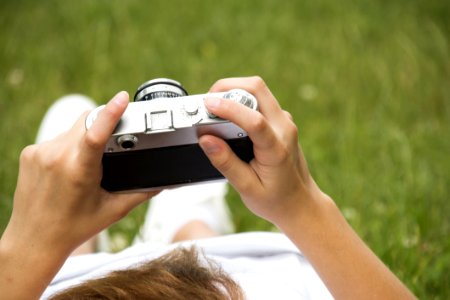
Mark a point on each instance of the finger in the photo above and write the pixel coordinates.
(253, 122)
(238, 173)
(257, 87)
(119, 205)
(95, 138)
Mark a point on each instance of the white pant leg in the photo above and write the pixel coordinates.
(173, 208)
(62, 115)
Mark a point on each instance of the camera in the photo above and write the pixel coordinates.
(155, 143)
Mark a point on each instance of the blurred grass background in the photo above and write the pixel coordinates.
(368, 83)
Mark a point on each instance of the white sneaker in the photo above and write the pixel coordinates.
(171, 209)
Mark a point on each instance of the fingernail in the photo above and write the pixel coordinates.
(121, 98)
(212, 102)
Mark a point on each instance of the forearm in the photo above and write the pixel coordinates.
(347, 266)
(26, 269)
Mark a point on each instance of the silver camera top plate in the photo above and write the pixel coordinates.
(165, 122)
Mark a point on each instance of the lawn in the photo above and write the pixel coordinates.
(367, 82)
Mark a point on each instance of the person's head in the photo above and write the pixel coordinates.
(180, 274)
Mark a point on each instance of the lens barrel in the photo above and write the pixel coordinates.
(159, 88)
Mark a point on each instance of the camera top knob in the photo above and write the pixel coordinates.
(191, 108)
(243, 97)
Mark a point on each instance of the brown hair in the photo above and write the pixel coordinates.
(178, 274)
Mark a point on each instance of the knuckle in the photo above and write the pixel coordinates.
(289, 129)
(74, 176)
(280, 154)
(288, 115)
(92, 141)
(292, 130)
(257, 80)
(50, 162)
(28, 154)
(258, 83)
(259, 123)
(47, 156)
(284, 154)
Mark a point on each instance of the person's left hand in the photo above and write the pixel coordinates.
(58, 203)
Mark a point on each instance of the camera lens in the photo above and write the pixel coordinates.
(159, 88)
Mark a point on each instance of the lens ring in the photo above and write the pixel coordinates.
(159, 88)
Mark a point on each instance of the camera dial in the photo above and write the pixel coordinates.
(240, 96)
(159, 88)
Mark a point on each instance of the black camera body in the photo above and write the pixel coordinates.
(155, 144)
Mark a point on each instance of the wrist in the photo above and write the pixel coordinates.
(32, 241)
(338, 255)
(308, 215)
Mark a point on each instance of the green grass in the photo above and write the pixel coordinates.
(368, 83)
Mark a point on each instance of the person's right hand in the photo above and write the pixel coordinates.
(276, 183)
(59, 202)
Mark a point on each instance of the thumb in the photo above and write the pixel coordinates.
(119, 205)
(238, 173)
